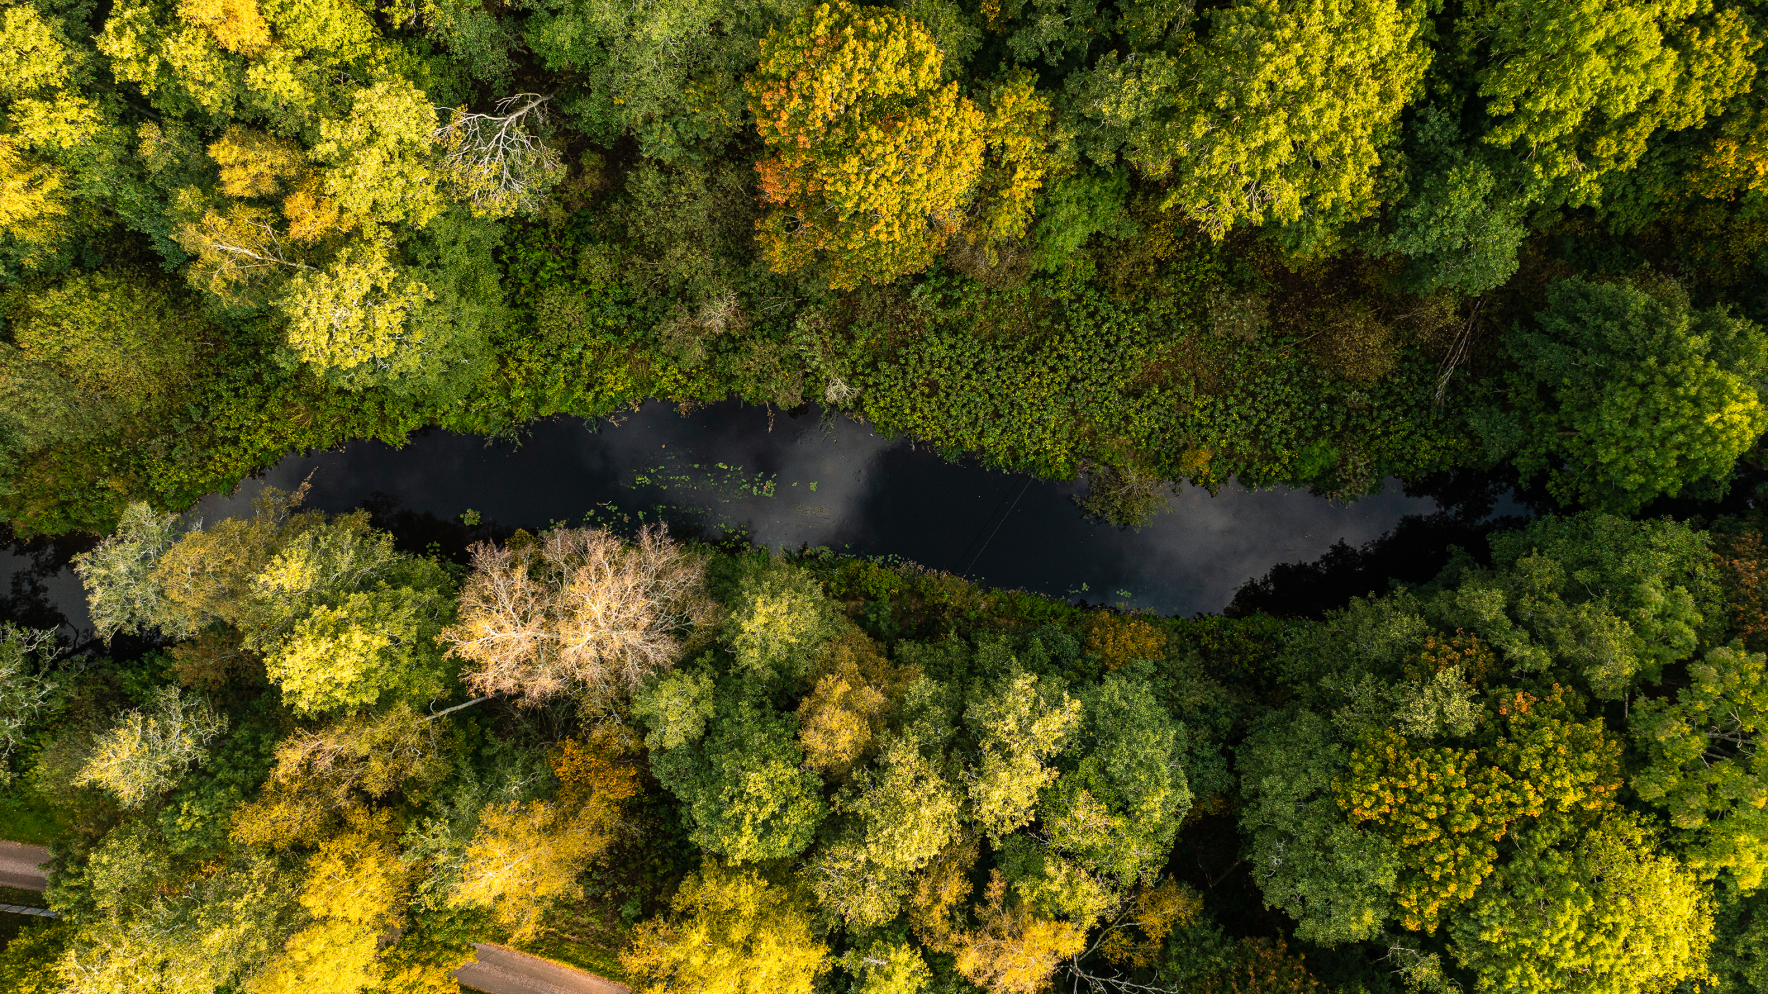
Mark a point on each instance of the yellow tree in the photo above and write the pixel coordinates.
(1279, 112)
(525, 854)
(873, 163)
(1577, 87)
(841, 720)
(355, 890)
(1444, 808)
(1014, 950)
(732, 932)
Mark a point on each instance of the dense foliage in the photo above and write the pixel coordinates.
(1308, 242)
(1281, 241)
(723, 770)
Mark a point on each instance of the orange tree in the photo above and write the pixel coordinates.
(873, 163)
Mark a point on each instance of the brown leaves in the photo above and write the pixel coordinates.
(598, 767)
(254, 164)
(1263, 966)
(935, 909)
(1155, 912)
(577, 608)
(1742, 563)
(872, 160)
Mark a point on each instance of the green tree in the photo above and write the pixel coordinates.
(887, 968)
(121, 339)
(122, 593)
(779, 622)
(354, 315)
(1705, 765)
(30, 963)
(668, 74)
(906, 811)
(1610, 914)
(1460, 217)
(1594, 598)
(1279, 112)
(1117, 811)
(1623, 396)
(744, 786)
(96, 359)
(147, 751)
(340, 617)
(676, 709)
(191, 940)
(1334, 879)
(376, 159)
(26, 686)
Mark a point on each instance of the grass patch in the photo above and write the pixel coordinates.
(26, 816)
(585, 956)
(584, 936)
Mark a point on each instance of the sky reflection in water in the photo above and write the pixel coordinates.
(836, 483)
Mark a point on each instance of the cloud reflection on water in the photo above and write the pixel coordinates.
(872, 496)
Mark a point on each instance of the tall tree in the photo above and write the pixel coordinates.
(1279, 112)
(1622, 395)
(873, 159)
(730, 931)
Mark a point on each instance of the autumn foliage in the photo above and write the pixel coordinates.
(873, 163)
(1014, 950)
(1117, 640)
(1263, 966)
(576, 607)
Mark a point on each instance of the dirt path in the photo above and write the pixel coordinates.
(20, 866)
(505, 971)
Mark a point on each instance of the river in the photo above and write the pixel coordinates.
(790, 482)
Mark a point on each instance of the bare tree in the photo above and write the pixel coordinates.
(498, 162)
(577, 608)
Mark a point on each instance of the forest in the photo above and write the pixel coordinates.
(1317, 244)
(311, 760)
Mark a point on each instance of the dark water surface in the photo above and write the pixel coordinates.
(833, 483)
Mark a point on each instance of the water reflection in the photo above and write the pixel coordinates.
(810, 481)
(813, 481)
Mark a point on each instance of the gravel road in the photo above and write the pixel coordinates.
(19, 866)
(505, 971)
